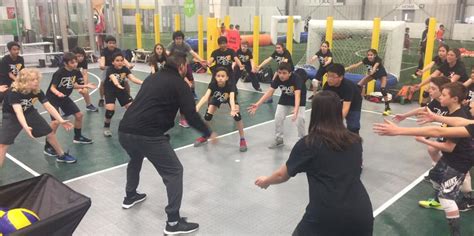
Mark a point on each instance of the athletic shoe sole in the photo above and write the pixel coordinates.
(125, 206)
(277, 146)
(199, 144)
(63, 161)
(243, 149)
(96, 110)
(49, 154)
(179, 232)
(82, 142)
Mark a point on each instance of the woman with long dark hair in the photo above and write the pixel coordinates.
(331, 156)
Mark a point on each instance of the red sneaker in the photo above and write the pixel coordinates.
(183, 123)
(243, 145)
(200, 141)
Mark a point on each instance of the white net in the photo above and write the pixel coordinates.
(352, 39)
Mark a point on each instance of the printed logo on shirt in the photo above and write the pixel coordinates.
(288, 90)
(244, 58)
(470, 97)
(67, 82)
(439, 111)
(369, 68)
(120, 77)
(15, 68)
(281, 59)
(159, 66)
(321, 60)
(26, 103)
(224, 60)
(221, 97)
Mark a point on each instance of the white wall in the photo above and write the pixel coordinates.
(463, 32)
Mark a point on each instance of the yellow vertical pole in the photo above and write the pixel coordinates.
(226, 21)
(374, 45)
(156, 25)
(430, 38)
(256, 39)
(212, 35)
(138, 27)
(200, 36)
(289, 34)
(177, 22)
(329, 33)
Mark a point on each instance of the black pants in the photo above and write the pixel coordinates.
(159, 152)
(252, 76)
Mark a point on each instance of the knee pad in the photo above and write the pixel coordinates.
(238, 117)
(384, 91)
(109, 114)
(208, 116)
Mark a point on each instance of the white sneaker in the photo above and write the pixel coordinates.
(107, 132)
(277, 143)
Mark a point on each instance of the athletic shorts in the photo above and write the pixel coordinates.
(379, 74)
(217, 103)
(65, 107)
(11, 127)
(446, 180)
(117, 94)
(321, 72)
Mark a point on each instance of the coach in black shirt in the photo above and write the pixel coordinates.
(142, 134)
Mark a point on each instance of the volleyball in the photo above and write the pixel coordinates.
(16, 219)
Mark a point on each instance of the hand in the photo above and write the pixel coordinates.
(420, 139)
(190, 84)
(119, 86)
(398, 118)
(262, 182)
(242, 67)
(387, 128)
(416, 87)
(252, 109)
(3, 88)
(426, 116)
(67, 125)
(102, 67)
(203, 63)
(233, 113)
(29, 131)
(294, 117)
(256, 69)
(90, 85)
(213, 138)
(131, 66)
(197, 109)
(419, 73)
(61, 95)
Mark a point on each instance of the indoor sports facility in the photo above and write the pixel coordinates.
(84, 189)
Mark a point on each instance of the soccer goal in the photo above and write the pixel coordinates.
(351, 40)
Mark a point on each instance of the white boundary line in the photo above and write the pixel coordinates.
(400, 194)
(23, 165)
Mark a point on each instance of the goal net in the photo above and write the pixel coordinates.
(352, 39)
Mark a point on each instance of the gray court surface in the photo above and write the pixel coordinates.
(219, 190)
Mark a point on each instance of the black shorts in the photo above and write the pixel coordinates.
(11, 127)
(321, 72)
(218, 103)
(446, 180)
(379, 74)
(117, 94)
(65, 106)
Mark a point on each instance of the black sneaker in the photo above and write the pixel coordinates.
(427, 178)
(82, 140)
(101, 103)
(49, 151)
(129, 202)
(182, 227)
(91, 108)
(464, 204)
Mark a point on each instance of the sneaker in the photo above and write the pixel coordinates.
(82, 140)
(259, 89)
(387, 111)
(182, 227)
(278, 143)
(463, 205)
(183, 123)
(427, 179)
(200, 141)
(129, 202)
(413, 76)
(270, 100)
(430, 203)
(107, 132)
(66, 158)
(101, 103)
(49, 151)
(243, 145)
(92, 108)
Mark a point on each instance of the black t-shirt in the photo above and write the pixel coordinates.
(159, 63)
(27, 101)
(288, 89)
(335, 187)
(370, 64)
(470, 129)
(458, 69)
(64, 81)
(222, 94)
(224, 58)
(436, 108)
(7, 65)
(83, 65)
(348, 92)
(119, 74)
(108, 55)
(438, 61)
(245, 57)
(423, 40)
(284, 57)
(154, 108)
(462, 157)
(322, 57)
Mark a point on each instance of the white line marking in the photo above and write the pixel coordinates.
(399, 195)
(22, 165)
